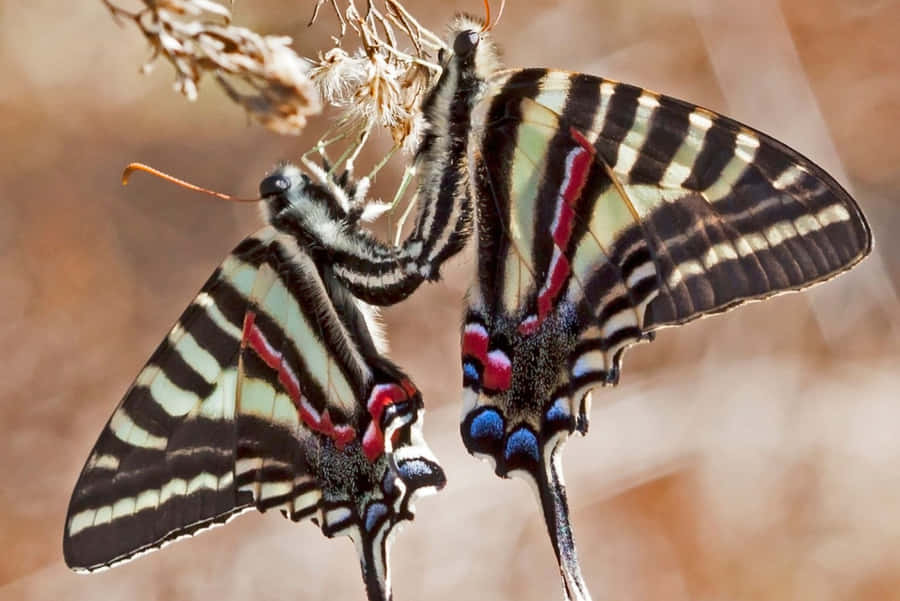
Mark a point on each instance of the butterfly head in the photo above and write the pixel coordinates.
(472, 49)
(282, 189)
(313, 202)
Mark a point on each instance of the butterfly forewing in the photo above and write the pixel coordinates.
(163, 465)
(642, 210)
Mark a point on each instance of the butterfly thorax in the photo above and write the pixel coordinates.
(443, 222)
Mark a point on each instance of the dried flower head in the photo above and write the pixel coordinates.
(379, 85)
(196, 36)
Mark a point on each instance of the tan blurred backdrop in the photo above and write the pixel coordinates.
(754, 456)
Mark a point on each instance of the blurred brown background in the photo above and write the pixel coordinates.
(754, 456)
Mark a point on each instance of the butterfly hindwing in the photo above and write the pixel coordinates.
(292, 390)
(326, 426)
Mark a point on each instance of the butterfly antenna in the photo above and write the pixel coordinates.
(488, 25)
(487, 16)
(126, 175)
(499, 13)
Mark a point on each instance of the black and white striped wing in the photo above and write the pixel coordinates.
(268, 393)
(645, 210)
(605, 212)
(163, 466)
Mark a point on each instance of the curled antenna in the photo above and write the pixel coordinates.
(126, 175)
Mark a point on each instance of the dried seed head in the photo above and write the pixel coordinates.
(338, 75)
(196, 37)
(379, 85)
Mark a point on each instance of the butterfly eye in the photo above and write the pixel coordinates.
(442, 54)
(273, 185)
(465, 43)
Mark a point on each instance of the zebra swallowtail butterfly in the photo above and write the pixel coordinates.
(270, 392)
(602, 213)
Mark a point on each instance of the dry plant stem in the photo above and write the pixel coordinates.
(417, 33)
(352, 152)
(337, 11)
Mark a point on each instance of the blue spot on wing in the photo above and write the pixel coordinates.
(414, 468)
(522, 442)
(374, 513)
(420, 472)
(557, 412)
(487, 424)
(470, 372)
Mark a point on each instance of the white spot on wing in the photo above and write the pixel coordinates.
(685, 270)
(719, 253)
(589, 362)
(103, 515)
(129, 432)
(80, 521)
(836, 213)
(107, 462)
(337, 515)
(679, 169)
(146, 500)
(177, 487)
(209, 305)
(202, 481)
(637, 135)
(745, 149)
(621, 320)
(789, 177)
(645, 270)
(176, 401)
(269, 490)
(307, 499)
(123, 508)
